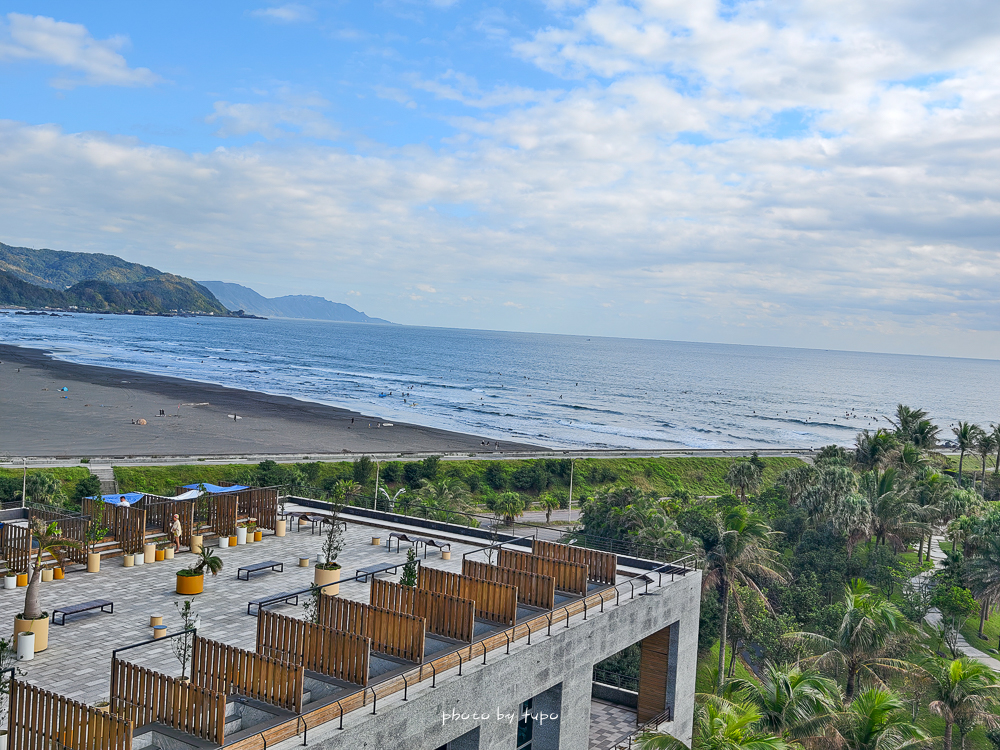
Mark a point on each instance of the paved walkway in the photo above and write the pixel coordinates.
(608, 723)
(934, 616)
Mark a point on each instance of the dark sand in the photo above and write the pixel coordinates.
(95, 417)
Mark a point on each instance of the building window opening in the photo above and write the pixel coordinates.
(525, 726)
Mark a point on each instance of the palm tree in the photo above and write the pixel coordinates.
(925, 435)
(996, 437)
(910, 459)
(983, 570)
(509, 506)
(985, 445)
(872, 448)
(719, 725)
(741, 554)
(346, 491)
(796, 480)
(877, 720)
(966, 435)
(446, 494)
(549, 503)
(963, 689)
(853, 519)
(863, 639)
(889, 508)
(794, 702)
(743, 476)
(906, 421)
(48, 537)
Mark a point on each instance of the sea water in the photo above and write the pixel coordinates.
(553, 390)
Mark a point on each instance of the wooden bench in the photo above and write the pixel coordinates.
(257, 567)
(74, 609)
(288, 596)
(372, 570)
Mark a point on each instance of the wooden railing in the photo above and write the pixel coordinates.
(160, 515)
(532, 589)
(602, 567)
(15, 547)
(344, 656)
(393, 633)
(496, 602)
(234, 671)
(40, 720)
(222, 514)
(570, 577)
(260, 503)
(143, 696)
(450, 616)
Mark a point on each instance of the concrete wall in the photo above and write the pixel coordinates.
(563, 661)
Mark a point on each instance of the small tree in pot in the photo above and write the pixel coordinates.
(328, 569)
(97, 529)
(48, 538)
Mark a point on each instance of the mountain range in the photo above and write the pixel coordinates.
(95, 282)
(237, 297)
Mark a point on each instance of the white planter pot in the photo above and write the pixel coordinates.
(140, 558)
(25, 646)
(223, 541)
(241, 536)
(10, 582)
(3, 739)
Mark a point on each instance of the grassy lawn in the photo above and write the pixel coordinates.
(67, 475)
(701, 476)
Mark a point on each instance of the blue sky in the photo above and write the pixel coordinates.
(786, 172)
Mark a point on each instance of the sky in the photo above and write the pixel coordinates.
(792, 173)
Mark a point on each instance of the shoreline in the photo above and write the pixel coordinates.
(94, 417)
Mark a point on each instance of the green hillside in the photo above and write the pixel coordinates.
(57, 269)
(93, 282)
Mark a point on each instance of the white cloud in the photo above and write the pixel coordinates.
(70, 46)
(801, 174)
(427, 288)
(289, 13)
(291, 116)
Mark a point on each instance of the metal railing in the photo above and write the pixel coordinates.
(616, 679)
(628, 741)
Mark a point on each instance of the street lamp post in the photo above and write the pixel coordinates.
(570, 506)
(24, 483)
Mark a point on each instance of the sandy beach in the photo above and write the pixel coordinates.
(95, 417)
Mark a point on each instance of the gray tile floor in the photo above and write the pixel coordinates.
(608, 723)
(77, 663)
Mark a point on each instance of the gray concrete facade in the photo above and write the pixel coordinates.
(555, 670)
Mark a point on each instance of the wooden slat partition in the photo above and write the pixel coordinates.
(533, 589)
(394, 633)
(40, 720)
(222, 514)
(15, 545)
(344, 656)
(230, 670)
(602, 567)
(160, 514)
(73, 527)
(143, 696)
(570, 577)
(495, 601)
(260, 503)
(653, 675)
(450, 616)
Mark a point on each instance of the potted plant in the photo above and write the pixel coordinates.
(327, 570)
(281, 525)
(241, 531)
(10, 580)
(192, 580)
(48, 537)
(184, 644)
(97, 529)
(161, 550)
(255, 533)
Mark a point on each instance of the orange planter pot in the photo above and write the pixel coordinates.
(232, 541)
(58, 574)
(160, 555)
(258, 536)
(190, 585)
(22, 580)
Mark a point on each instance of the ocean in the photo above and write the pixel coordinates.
(553, 390)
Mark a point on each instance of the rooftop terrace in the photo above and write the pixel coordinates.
(78, 662)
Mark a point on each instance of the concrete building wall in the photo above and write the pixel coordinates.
(563, 661)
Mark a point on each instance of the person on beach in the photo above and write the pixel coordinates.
(176, 531)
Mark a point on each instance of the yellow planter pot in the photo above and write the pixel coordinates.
(58, 574)
(258, 536)
(327, 580)
(190, 585)
(161, 555)
(232, 541)
(39, 627)
(22, 580)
